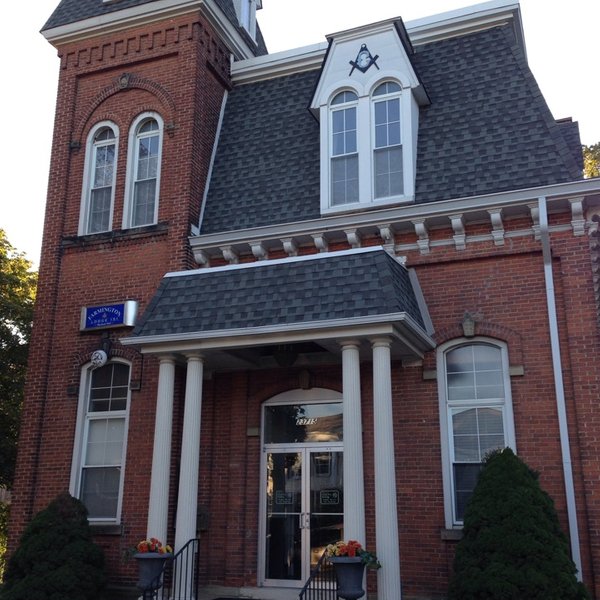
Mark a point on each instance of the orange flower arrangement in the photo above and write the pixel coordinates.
(352, 549)
(153, 545)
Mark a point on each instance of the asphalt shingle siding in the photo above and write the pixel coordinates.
(294, 292)
(267, 163)
(488, 129)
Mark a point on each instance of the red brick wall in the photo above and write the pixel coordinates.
(179, 69)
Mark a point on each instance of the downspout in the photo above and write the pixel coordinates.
(559, 387)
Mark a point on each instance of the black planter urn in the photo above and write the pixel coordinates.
(349, 574)
(150, 565)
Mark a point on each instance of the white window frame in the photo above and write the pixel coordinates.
(343, 107)
(365, 115)
(132, 163)
(445, 413)
(84, 417)
(88, 177)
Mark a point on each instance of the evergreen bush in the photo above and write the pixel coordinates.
(513, 547)
(56, 558)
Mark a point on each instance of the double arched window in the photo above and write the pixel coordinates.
(142, 179)
(366, 162)
(475, 415)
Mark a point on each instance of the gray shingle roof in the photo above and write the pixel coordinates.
(320, 288)
(488, 129)
(71, 11)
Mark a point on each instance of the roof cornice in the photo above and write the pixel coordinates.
(148, 13)
(396, 325)
(426, 211)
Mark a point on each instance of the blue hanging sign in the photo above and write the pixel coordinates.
(117, 314)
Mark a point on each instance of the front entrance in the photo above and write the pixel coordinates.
(303, 504)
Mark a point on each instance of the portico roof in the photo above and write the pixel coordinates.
(321, 296)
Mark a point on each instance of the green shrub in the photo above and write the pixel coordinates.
(512, 547)
(56, 558)
(3, 536)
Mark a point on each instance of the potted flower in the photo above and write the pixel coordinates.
(349, 560)
(151, 556)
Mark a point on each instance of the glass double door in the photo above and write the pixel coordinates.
(304, 510)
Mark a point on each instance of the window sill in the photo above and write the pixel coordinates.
(364, 206)
(106, 529)
(451, 535)
(116, 235)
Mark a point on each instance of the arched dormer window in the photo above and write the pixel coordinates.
(143, 171)
(476, 415)
(101, 439)
(99, 179)
(387, 135)
(344, 149)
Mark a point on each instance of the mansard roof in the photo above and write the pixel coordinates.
(328, 287)
(72, 11)
(487, 130)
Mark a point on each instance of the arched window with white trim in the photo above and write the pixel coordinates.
(388, 178)
(344, 149)
(476, 415)
(101, 440)
(99, 179)
(143, 171)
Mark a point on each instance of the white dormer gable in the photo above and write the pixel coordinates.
(246, 14)
(367, 100)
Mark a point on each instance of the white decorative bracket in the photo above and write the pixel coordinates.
(230, 255)
(497, 226)
(259, 251)
(290, 246)
(534, 209)
(422, 235)
(460, 237)
(202, 258)
(321, 242)
(577, 218)
(353, 237)
(386, 234)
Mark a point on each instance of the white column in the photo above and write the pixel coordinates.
(161, 457)
(187, 499)
(386, 512)
(354, 489)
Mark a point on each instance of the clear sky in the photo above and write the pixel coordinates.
(561, 38)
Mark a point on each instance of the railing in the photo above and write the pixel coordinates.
(321, 584)
(179, 578)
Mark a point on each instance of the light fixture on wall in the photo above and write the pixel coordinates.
(100, 357)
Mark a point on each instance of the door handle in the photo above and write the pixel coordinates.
(304, 520)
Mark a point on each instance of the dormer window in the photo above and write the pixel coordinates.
(367, 100)
(344, 149)
(246, 12)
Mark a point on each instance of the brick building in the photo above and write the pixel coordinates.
(293, 298)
